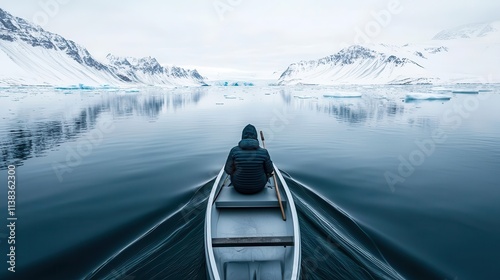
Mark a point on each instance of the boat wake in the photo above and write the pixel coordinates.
(332, 242)
(172, 249)
(333, 245)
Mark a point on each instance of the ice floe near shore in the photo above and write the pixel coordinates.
(343, 95)
(426, 96)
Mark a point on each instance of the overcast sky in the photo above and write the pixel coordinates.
(245, 37)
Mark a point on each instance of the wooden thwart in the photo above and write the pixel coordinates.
(253, 241)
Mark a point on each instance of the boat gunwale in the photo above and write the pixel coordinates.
(212, 265)
(296, 226)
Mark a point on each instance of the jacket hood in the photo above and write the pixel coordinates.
(249, 132)
(249, 139)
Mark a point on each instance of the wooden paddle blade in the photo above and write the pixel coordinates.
(275, 183)
(279, 198)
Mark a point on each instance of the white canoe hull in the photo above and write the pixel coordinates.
(245, 235)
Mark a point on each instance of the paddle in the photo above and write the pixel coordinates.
(275, 182)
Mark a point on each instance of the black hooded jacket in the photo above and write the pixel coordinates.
(248, 164)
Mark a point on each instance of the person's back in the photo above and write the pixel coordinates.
(249, 165)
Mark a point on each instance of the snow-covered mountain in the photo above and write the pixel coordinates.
(475, 30)
(468, 54)
(356, 64)
(148, 70)
(32, 56)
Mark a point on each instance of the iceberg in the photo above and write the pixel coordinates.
(109, 88)
(66, 88)
(233, 84)
(465, 91)
(76, 87)
(131, 90)
(343, 95)
(426, 96)
(305, 97)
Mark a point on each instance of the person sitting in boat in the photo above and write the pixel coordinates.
(249, 165)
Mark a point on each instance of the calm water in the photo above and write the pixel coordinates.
(113, 185)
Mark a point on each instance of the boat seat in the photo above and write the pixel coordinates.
(263, 270)
(230, 198)
(253, 241)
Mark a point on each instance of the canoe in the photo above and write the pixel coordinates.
(246, 236)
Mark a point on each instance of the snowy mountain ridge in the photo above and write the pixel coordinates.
(148, 70)
(355, 64)
(469, 31)
(467, 54)
(32, 56)
(15, 29)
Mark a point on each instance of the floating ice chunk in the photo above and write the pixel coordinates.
(343, 95)
(84, 87)
(233, 84)
(466, 91)
(427, 96)
(131, 90)
(109, 88)
(230, 96)
(76, 87)
(305, 97)
(72, 87)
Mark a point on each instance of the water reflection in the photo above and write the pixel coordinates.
(23, 139)
(348, 110)
(286, 97)
(363, 110)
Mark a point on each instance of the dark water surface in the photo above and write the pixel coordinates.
(113, 185)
